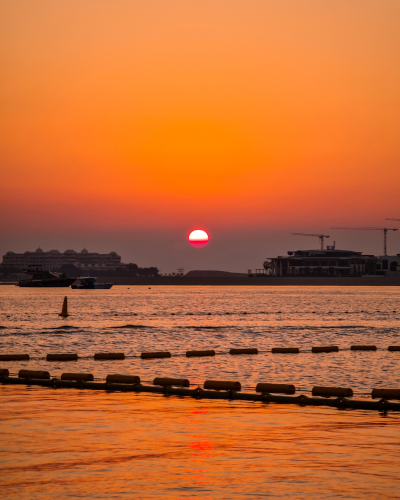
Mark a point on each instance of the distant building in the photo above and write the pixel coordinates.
(54, 260)
(388, 265)
(214, 274)
(329, 262)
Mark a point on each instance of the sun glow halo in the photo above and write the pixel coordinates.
(198, 238)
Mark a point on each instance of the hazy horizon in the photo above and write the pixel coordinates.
(224, 252)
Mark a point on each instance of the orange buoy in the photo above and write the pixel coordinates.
(165, 381)
(14, 357)
(285, 350)
(109, 355)
(4, 372)
(38, 374)
(386, 393)
(150, 355)
(244, 350)
(390, 348)
(64, 310)
(276, 388)
(191, 354)
(223, 385)
(122, 379)
(332, 391)
(363, 348)
(85, 377)
(329, 348)
(62, 357)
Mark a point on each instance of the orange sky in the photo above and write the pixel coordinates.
(150, 117)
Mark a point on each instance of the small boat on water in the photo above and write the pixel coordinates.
(89, 283)
(40, 278)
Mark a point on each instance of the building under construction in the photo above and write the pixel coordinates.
(329, 262)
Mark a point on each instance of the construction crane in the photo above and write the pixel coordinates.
(320, 236)
(393, 219)
(384, 229)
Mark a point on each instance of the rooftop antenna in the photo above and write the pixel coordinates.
(384, 229)
(320, 236)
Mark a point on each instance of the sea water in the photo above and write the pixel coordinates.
(82, 444)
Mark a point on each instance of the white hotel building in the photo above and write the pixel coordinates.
(54, 259)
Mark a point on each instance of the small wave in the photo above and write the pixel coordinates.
(130, 326)
(65, 327)
(201, 327)
(327, 327)
(37, 332)
(2, 327)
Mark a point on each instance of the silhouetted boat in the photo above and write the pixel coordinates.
(89, 283)
(42, 278)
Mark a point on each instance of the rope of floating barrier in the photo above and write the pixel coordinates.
(194, 384)
(79, 377)
(327, 396)
(199, 353)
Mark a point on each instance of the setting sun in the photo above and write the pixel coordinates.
(198, 238)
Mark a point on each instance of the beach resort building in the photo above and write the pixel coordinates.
(329, 262)
(388, 265)
(54, 260)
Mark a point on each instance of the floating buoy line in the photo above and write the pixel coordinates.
(337, 397)
(193, 353)
(212, 389)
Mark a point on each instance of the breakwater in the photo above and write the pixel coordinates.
(376, 281)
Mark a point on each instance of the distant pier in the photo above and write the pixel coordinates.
(253, 281)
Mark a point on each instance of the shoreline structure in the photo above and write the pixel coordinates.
(245, 281)
(253, 281)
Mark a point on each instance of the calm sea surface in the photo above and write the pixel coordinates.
(82, 444)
